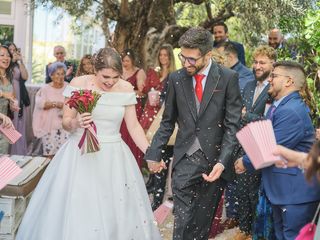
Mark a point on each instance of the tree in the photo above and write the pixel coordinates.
(144, 25)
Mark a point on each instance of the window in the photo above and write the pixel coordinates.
(6, 7)
(6, 33)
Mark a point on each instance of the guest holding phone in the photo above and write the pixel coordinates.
(19, 77)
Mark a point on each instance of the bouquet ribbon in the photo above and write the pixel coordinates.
(89, 141)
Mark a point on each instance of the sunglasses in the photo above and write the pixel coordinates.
(191, 61)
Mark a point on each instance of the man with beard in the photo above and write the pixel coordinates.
(293, 199)
(255, 96)
(276, 40)
(220, 33)
(204, 99)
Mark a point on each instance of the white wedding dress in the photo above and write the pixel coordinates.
(95, 196)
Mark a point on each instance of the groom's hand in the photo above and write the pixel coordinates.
(156, 167)
(214, 174)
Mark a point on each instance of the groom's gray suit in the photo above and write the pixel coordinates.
(206, 136)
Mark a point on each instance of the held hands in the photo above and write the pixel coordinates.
(14, 105)
(243, 112)
(214, 174)
(290, 157)
(156, 167)
(84, 120)
(239, 167)
(6, 121)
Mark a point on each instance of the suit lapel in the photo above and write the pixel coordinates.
(187, 86)
(211, 85)
(261, 96)
(249, 94)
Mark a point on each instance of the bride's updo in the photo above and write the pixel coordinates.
(108, 58)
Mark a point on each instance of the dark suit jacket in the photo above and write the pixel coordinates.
(245, 75)
(254, 111)
(215, 125)
(293, 129)
(240, 50)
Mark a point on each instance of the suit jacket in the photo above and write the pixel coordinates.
(245, 75)
(293, 129)
(215, 125)
(240, 50)
(254, 111)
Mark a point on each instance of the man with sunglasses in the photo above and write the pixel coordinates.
(204, 99)
(59, 52)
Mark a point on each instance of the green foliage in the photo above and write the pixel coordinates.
(37, 72)
(6, 34)
(307, 42)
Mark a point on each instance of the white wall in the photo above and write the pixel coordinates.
(21, 19)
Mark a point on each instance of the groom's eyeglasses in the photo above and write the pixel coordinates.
(191, 61)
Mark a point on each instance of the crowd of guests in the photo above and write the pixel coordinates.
(272, 203)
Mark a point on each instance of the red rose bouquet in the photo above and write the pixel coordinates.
(85, 101)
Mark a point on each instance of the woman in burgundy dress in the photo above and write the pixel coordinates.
(157, 82)
(136, 76)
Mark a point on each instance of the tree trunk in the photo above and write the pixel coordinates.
(142, 26)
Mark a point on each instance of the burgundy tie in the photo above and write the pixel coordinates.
(198, 88)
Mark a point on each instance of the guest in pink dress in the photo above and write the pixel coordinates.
(136, 76)
(47, 115)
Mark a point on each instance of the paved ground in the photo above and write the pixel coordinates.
(167, 226)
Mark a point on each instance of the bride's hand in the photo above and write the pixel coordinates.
(84, 120)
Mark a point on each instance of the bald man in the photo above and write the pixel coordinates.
(275, 38)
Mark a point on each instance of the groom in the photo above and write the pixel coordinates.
(204, 99)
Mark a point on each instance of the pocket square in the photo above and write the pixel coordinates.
(216, 90)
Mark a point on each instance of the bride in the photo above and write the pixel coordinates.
(101, 195)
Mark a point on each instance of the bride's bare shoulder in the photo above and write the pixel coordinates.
(82, 81)
(124, 86)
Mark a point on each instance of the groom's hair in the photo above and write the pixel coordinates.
(197, 38)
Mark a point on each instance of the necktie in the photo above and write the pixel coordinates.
(257, 92)
(271, 111)
(198, 87)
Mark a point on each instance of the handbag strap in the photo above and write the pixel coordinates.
(316, 214)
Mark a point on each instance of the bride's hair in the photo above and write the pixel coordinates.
(108, 58)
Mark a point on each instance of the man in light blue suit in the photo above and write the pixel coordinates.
(293, 199)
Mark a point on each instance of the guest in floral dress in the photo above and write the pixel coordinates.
(6, 91)
(47, 115)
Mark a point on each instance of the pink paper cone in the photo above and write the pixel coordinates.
(162, 212)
